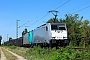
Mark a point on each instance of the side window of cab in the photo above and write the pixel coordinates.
(46, 28)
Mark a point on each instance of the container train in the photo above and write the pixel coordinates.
(49, 34)
(16, 42)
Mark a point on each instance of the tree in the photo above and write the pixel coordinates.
(85, 31)
(25, 31)
(73, 24)
(10, 38)
(0, 39)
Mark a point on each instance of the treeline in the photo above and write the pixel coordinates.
(78, 29)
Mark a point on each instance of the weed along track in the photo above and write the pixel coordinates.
(12, 56)
(39, 53)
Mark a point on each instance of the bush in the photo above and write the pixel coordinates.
(67, 53)
(12, 47)
(9, 44)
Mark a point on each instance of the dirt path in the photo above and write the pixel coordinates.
(18, 57)
(2, 55)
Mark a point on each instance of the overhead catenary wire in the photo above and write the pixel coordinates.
(23, 24)
(79, 6)
(44, 15)
(56, 4)
(76, 7)
(48, 14)
(62, 4)
(81, 9)
(39, 19)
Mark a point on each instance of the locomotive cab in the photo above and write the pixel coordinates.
(59, 34)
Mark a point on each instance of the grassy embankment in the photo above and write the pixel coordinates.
(18, 50)
(8, 55)
(38, 53)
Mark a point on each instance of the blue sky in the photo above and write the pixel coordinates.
(34, 10)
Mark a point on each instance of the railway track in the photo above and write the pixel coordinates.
(81, 49)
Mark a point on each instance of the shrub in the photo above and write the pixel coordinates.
(12, 47)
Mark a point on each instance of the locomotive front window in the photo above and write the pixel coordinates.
(62, 28)
(54, 27)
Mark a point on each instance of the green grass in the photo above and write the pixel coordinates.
(8, 55)
(38, 53)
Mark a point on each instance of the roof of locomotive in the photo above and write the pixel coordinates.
(49, 23)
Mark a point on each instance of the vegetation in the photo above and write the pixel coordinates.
(38, 53)
(10, 38)
(25, 31)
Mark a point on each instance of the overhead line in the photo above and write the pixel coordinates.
(62, 4)
(23, 24)
(48, 14)
(39, 19)
(81, 9)
(80, 5)
(57, 3)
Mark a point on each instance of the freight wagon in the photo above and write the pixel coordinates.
(16, 42)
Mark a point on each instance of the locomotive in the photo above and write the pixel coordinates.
(49, 34)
